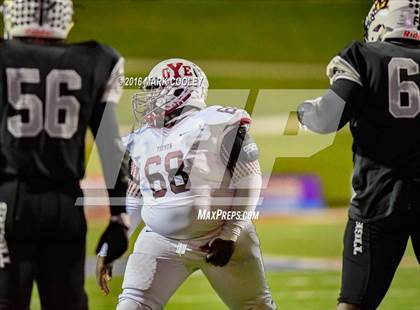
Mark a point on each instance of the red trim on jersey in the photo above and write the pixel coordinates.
(245, 121)
(37, 32)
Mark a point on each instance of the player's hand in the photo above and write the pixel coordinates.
(103, 274)
(219, 252)
(116, 239)
(300, 112)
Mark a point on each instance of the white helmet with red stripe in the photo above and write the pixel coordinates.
(171, 85)
(393, 19)
(47, 19)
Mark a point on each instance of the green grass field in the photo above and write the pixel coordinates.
(291, 290)
(311, 290)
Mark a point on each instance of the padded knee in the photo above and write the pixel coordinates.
(129, 304)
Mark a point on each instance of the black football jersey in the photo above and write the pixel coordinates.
(385, 122)
(49, 96)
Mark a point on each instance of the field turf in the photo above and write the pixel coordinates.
(304, 237)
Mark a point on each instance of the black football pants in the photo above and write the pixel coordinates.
(44, 240)
(373, 251)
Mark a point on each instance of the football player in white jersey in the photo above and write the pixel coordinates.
(195, 181)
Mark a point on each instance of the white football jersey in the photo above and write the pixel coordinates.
(182, 171)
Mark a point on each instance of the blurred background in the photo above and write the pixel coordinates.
(253, 50)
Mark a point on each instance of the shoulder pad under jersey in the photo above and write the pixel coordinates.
(348, 64)
(220, 115)
(130, 139)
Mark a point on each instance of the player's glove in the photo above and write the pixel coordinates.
(103, 271)
(113, 244)
(116, 239)
(219, 252)
(300, 112)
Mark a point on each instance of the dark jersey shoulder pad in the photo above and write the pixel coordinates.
(353, 55)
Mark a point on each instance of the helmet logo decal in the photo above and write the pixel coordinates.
(381, 4)
(175, 68)
(378, 5)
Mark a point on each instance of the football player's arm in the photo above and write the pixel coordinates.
(133, 204)
(134, 200)
(339, 104)
(240, 154)
(114, 241)
(104, 126)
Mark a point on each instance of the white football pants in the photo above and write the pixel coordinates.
(158, 266)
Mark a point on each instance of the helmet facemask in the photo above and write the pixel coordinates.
(156, 103)
(164, 93)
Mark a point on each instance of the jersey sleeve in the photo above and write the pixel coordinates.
(238, 150)
(113, 89)
(104, 125)
(133, 190)
(343, 101)
(240, 154)
(110, 74)
(107, 74)
(349, 64)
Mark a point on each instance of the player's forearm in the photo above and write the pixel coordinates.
(336, 108)
(247, 195)
(117, 198)
(117, 193)
(324, 114)
(114, 160)
(104, 127)
(134, 200)
(133, 207)
(117, 186)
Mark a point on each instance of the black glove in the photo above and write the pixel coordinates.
(116, 237)
(219, 252)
